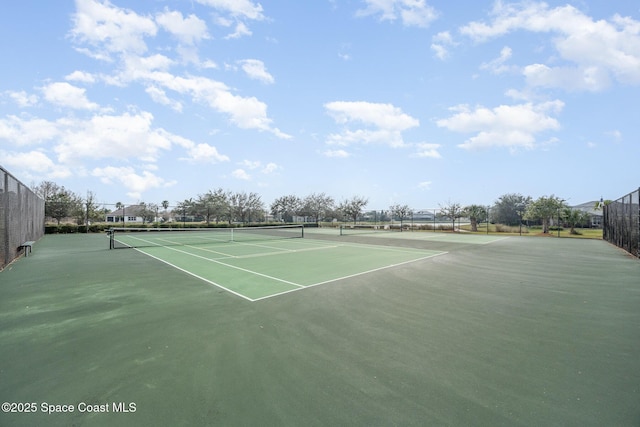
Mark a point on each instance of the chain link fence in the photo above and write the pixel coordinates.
(21, 217)
(621, 222)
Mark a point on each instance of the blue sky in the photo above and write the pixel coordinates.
(417, 102)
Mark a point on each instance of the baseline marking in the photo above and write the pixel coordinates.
(210, 282)
(237, 268)
(351, 275)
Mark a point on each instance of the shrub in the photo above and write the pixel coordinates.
(501, 228)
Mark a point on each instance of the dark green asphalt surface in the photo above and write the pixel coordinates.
(520, 332)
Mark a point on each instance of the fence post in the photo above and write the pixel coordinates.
(5, 214)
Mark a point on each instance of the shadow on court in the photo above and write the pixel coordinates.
(521, 331)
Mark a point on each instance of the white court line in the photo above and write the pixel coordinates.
(290, 251)
(389, 248)
(350, 275)
(236, 267)
(196, 276)
(298, 286)
(280, 250)
(174, 242)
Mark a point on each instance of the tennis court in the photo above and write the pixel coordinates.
(435, 236)
(262, 262)
(409, 330)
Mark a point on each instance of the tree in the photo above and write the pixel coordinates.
(148, 212)
(544, 208)
(245, 206)
(475, 213)
(509, 209)
(92, 210)
(165, 206)
(317, 206)
(62, 204)
(120, 205)
(574, 217)
(352, 208)
(453, 211)
(401, 212)
(186, 207)
(599, 205)
(286, 207)
(218, 201)
(47, 189)
(213, 204)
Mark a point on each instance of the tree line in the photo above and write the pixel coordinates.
(221, 205)
(514, 208)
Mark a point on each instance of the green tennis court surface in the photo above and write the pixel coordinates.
(262, 269)
(518, 332)
(435, 236)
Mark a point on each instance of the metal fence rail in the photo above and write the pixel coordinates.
(21, 217)
(621, 222)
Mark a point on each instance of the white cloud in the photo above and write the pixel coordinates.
(27, 131)
(270, 168)
(427, 150)
(34, 164)
(440, 44)
(124, 137)
(596, 52)
(497, 66)
(244, 112)
(237, 8)
(136, 183)
(257, 164)
(615, 135)
(188, 30)
(250, 164)
(108, 136)
(411, 12)
(341, 154)
(241, 30)
(344, 52)
(383, 123)
(239, 11)
(521, 95)
(81, 76)
(511, 126)
(384, 116)
(205, 153)
(568, 78)
(160, 96)
(22, 98)
(424, 185)
(241, 174)
(208, 64)
(110, 29)
(136, 68)
(256, 70)
(66, 95)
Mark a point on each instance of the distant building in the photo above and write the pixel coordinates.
(595, 215)
(127, 215)
(424, 215)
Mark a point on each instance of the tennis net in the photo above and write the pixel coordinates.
(120, 238)
(347, 229)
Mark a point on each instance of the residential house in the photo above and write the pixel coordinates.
(127, 215)
(595, 214)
